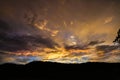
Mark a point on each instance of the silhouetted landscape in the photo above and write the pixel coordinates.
(48, 70)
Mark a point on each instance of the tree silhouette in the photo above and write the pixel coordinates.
(117, 39)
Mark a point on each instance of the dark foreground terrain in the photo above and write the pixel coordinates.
(48, 70)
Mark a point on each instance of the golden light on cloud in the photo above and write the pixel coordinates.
(108, 20)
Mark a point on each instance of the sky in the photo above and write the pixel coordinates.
(65, 31)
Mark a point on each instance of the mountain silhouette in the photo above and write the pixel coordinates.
(49, 70)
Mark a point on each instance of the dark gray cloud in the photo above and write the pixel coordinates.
(4, 26)
(92, 43)
(107, 48)
(24, 43)
(76, 47)
(11, 41)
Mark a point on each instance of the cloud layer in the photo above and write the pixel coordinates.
(65, 31)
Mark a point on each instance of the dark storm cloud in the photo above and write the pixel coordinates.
(107, 48)
(4, 27)
(74, 47)
(11, 44)
(47, 42)
(11, 41)
(6, 41)
(92, 43)
(24, 43)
